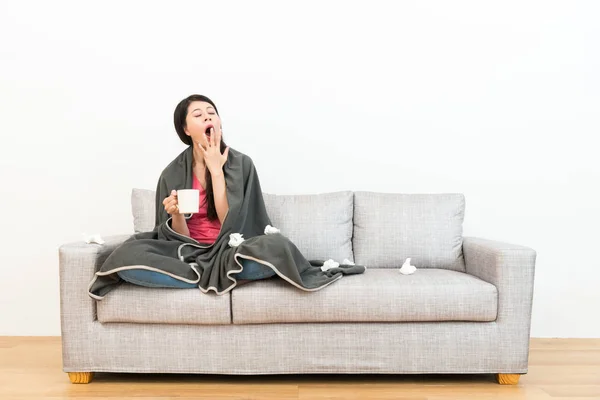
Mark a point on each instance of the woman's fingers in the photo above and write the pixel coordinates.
(173, 195)
(172, 209)
(171, 203)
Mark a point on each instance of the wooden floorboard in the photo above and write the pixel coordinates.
(559, 369)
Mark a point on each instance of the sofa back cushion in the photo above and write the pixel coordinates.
(143, 209)
(389, 228)
(320, 225)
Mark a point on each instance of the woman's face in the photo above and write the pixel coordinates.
(201, 117)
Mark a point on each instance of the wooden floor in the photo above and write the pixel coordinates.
(30, 368)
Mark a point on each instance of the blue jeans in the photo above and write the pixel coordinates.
(143, 277)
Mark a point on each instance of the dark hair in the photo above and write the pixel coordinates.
(179, 118)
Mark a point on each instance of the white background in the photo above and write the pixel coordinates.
(496, 100)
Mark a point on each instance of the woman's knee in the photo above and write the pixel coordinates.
(253, 270)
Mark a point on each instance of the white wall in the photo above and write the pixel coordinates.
(497, 101)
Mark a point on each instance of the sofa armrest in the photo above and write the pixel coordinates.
(511, 269)
(78, 261)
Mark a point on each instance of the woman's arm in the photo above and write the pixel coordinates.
(180, 225)
(220, 194)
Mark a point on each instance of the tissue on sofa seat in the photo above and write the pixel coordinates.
(132, 303)
(379, 295)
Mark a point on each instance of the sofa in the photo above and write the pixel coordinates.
(466, 308)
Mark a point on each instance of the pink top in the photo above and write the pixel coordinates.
(201, 228)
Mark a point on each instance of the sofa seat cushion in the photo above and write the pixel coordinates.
(378, 295)
(133, 303)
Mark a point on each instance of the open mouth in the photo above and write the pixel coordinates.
(207, 131)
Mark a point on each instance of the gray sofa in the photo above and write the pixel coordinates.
(466, 309)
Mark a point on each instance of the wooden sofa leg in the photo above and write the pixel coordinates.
(508, 379)
(81, 377)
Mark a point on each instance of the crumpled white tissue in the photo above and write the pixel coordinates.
(95, 238)
(235, 239)
(348, 262)
(329, 264)
(269, 230)
(407, 269)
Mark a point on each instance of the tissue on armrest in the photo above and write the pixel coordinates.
(99, 251)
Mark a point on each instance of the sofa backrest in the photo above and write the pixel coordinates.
(320, 225)
(389, 228)
(379, 230)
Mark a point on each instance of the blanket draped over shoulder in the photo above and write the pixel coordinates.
(214, 266)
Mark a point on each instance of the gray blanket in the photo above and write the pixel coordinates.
(214, 266)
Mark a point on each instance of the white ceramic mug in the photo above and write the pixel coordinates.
(188, 201)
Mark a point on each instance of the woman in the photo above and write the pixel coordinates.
(198, 124)
(229, 242)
